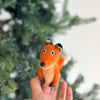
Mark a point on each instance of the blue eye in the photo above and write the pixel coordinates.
(44, 51)
(52, 52)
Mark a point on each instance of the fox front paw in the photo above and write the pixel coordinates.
(43, 81)
(52, 85)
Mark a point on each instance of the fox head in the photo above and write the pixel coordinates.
(50, 54)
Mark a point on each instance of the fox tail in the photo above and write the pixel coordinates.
(63, 61)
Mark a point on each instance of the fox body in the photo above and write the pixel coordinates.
(51, 63)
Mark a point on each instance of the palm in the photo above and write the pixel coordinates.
(39, 93)
(44, 97)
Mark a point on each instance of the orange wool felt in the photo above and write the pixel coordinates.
(51, 63)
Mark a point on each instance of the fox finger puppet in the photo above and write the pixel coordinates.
(51, 63)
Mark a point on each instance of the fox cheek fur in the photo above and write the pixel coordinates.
(51, 63)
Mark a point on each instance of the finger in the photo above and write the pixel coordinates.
(62, 92)
(46, 90)
(54, 91)
(35, 85)
(69, 94)
(50, 90)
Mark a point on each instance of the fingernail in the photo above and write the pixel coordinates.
(69, 91)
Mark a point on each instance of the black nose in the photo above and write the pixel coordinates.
(42, 64)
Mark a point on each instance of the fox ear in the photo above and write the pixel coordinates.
(59, 46)
(48, 42)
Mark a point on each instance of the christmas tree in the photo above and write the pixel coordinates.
(31, 23)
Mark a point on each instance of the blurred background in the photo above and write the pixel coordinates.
(82, 43)
(24, 28)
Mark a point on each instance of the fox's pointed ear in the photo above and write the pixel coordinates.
(48, 42)
(59, 46)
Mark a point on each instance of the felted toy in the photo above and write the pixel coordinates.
(51, 64)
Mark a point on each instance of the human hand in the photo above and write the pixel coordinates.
(41, 93)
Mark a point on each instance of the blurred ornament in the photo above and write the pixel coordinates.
(1, 30)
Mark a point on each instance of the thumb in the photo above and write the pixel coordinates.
(35, 86)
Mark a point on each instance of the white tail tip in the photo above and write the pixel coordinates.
(67, 59)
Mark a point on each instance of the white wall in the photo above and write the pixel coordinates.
(83, 43)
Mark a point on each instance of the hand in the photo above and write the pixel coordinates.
(41, 93)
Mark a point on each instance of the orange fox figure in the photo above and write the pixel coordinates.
(51, 63)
